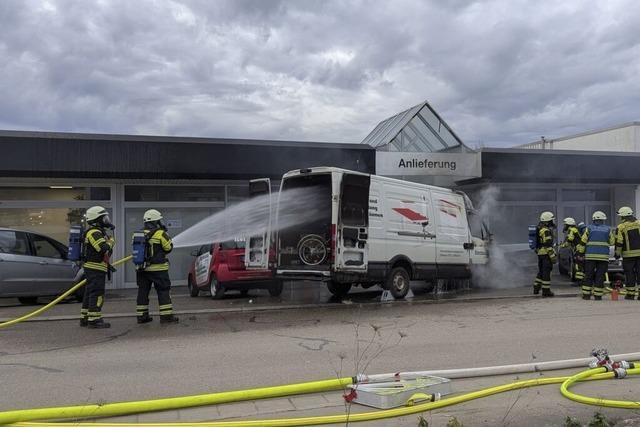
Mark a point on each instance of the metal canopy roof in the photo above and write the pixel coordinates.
(417, 129)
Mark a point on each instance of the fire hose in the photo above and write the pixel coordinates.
(57, 300)
(603, 367)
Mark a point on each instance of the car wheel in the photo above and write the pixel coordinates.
(28, 300)
(562, 269)
(573, 272)
(398, 282)
(216, 288)
(194, 291)
(275, 290)
(339, 289)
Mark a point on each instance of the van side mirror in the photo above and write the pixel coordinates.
(425, 223)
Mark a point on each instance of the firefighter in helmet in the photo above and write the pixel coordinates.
(594, 248)
(572, 238)
(97, 248)
(628, 247)
(155, 270)
(546, 254)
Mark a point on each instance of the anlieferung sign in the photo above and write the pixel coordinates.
(457, 164)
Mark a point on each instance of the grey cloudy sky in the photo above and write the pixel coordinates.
(499, 72)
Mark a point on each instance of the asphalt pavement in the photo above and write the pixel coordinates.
(56, 362)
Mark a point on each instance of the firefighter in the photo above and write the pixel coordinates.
(594, 248)
(628, 247)
(97, 248)
(546, 255)
(155, 270)
(572, 238)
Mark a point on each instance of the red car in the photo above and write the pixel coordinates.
(220, 267)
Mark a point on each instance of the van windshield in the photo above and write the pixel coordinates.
(232, 244)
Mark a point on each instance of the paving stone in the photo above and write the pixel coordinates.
(167, 416)
(235, 410)
(201, 413)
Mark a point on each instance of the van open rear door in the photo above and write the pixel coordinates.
(353, 224)
(257, 248)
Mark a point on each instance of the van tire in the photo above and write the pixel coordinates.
(275, 290)
(194, 291)
(339, 289)
(398, 282)
(215, 288)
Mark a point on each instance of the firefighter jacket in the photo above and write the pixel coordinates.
(595, 242)
(545, 241)
(159, 245)
(572, 237)
(97, 249)
(628, 239)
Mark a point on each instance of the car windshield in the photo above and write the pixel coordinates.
(232, 244)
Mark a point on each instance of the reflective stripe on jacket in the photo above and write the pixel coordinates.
(573, 236)
(160, 245)
(545, 240)
(628, 239)
(596, 241)
(97, 249)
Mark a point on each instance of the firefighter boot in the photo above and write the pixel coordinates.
(547, 293)
(597, 297)
(536, 289)
(168, 318)
(586, 297)
(99, 324)
(145, 318)
(84, 322)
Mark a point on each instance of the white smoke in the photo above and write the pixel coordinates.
(251, 217)
(506, 267)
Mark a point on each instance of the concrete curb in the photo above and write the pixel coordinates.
(245, 309)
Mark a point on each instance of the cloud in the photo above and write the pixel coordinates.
(499, 72)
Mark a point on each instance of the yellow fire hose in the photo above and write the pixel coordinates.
(94, 411)
(57, 300)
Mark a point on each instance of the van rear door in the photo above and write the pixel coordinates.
(256, 251)
(353, 224)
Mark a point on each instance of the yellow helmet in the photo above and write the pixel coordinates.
(547, 216)
(625, 211)
(599, 216)
(152, 215)
(569, 221)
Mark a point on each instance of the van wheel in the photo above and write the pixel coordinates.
(28, 300)
(194, 291)
(398, 282)
(275, 290)
(216, 288)
(339, 289)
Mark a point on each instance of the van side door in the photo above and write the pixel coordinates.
(256, 251)
(453, 245)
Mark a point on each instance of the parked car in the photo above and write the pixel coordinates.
(567, 267)
(220, 267)
(33, 265)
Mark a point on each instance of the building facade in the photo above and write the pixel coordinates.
(47, 180)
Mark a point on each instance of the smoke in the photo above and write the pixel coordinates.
(251, 217)
(509, 266)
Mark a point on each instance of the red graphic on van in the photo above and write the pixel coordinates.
(411, 214)
(449, 208)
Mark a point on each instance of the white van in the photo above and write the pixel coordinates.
(372, 230)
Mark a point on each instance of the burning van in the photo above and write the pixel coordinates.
(369, 230)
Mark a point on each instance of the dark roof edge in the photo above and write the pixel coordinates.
(174, 139)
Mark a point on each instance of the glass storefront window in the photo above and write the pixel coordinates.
(237, 194)
(50, 222)
(180, 218)
(157, 193)
(527, 195)
(55, 193)
(510, 223)
(586, 195)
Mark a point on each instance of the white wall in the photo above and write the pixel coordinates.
(621, 139)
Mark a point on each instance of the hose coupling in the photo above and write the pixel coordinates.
(620, 373)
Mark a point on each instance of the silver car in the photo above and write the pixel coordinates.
(33, 265)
